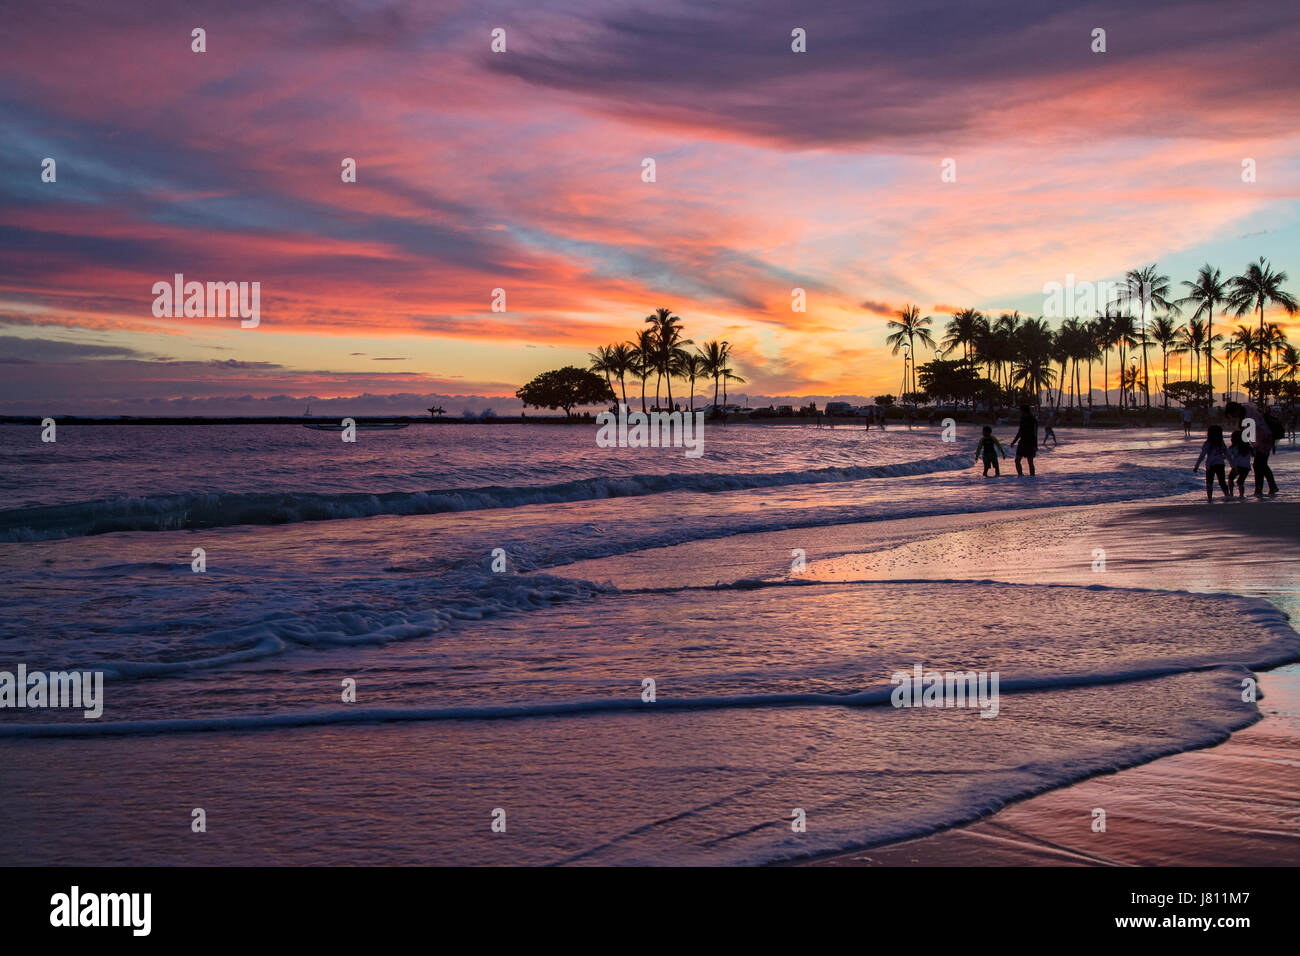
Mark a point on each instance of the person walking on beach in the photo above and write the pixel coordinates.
(1026, 440)
(988, 449)
(1187, 423)
(1049, 431)
(1239, 455)
(1263, 440)
(1215, 455)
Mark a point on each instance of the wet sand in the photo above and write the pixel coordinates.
(1232, 804)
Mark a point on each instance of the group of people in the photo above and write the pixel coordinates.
(1240, 453)
(1025, 443)
(1254, 437)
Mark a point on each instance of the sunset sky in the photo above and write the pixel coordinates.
(522, 170)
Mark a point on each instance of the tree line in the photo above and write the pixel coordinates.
(659, 350)
(1022, 356)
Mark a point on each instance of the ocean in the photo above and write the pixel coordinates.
(630, 653)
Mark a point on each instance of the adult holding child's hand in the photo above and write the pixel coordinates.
(1249, 419)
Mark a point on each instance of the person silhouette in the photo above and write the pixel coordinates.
(1215, 455)
(1049, 430)
(1026, 440)
(1240, 454)
(988, 449)
(1263, 440)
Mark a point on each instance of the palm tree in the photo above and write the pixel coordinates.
(1128, 379)
(1090, 344)
(985, 351)
(967, 328)
(644, 350)
(1151, 288)
(1166, 332)
(622, 359)
(964, 329)
(1034, 373)
(715, 356)
(1062, 351)
(1005, 331)
(1032, 348)
(1241, 345)
(1253, 289)
(693, 366)
(1274, 339)
(602, 362)
(1207, 291)
(1125, 333)
(1106, 339)
(1288, 366)
(1078, 343)
(1193, 341)
(909, 326)
(668, 351)
(1230, 352)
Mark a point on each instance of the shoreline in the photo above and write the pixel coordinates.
(1201, 807)
(825, 421)
(1225, 804)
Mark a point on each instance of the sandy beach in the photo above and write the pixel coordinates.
(1232, 804)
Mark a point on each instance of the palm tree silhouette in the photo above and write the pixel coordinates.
(964, 330)
(643, 358)
(1165, 332)
(1288, 366)
(1105, 338)
(694, 366)
(1006, 331)
(1207, 290)
(1253, 289)
(1090, 346)
(715, 356)
(1192, 340)
(1242, 346)
(1125, 332)
(668, 351)
(1150, 288)
(622, 359)
(602, 363)
(909, 326)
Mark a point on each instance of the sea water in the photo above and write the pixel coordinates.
(473, 583)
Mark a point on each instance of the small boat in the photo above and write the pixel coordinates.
(360, 426)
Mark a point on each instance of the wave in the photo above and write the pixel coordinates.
(194, 510)
(354, 625)
(871, 697)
